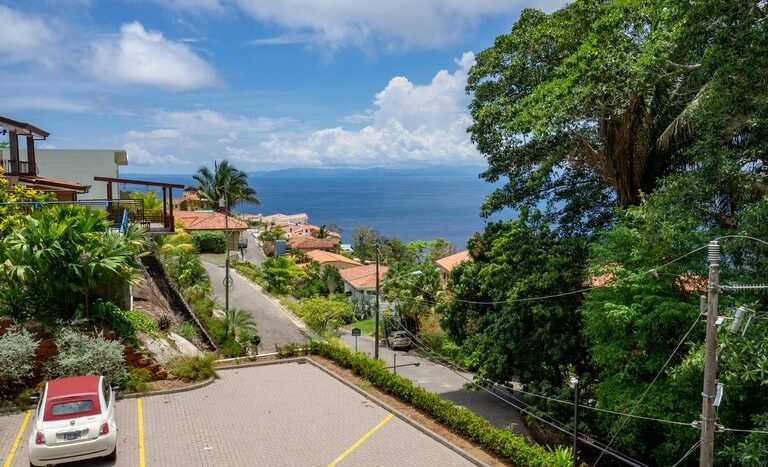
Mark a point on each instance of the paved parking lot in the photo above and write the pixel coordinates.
(285, 414)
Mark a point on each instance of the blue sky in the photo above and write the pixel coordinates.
(265, 83)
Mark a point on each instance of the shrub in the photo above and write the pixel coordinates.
(164, 322)
(184, 269)
(214, 241)
(17, 360)
(80, 354)
(231, 348)
(196, 368)
(141, 321)
(188, 331)
(137, 380)
(324, 315)
(110, 315)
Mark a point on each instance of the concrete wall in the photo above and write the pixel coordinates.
(81, 165)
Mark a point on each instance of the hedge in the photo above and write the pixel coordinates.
(504, 443)
(210, 240)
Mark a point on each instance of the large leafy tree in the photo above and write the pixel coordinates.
(227, 182)
(504, 334)
(594, 103)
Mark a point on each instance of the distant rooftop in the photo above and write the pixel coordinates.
(450, 262)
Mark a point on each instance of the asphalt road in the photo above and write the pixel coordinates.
(449, 384)
(253, 253)
(274, 324)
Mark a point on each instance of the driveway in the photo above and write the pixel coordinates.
(449, 384)
(285, 414)
(275, 326)
(253, 253)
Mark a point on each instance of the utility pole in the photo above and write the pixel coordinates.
(376, 332)
(575, 382)
(223, 204)
(710, 361)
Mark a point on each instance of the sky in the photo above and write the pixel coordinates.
(266, 84)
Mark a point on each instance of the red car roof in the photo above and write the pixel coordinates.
(74, 385)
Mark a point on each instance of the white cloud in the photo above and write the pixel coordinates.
(410, 123)
(138, 155)
(139, 56)
(24, 37)
(393, 23)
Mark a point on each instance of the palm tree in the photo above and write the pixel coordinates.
(237, 321)
(177, 244)
(225, 181)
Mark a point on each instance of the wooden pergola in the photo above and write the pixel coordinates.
(167, 189)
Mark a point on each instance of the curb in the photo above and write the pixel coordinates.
(252, 364)
(134, 395)
(398, 414)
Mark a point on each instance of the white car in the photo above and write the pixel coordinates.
(74, 421)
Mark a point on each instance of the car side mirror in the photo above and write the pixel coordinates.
(114, 387)
(34, 397)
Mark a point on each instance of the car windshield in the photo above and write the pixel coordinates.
(73, 407)
(401, 334)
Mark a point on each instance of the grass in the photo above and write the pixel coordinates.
(367, 326)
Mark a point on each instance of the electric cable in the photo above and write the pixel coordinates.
(554, 423)
(647, 389)
(693, 448)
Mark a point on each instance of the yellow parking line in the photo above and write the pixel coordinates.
(16, 442)
(360, 441)
(142, 463)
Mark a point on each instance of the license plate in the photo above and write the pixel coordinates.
(72, 435)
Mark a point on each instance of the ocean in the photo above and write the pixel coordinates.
(417, 204)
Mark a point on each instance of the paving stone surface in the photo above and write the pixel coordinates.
(288, 414)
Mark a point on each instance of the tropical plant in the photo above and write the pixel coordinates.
(60, 254)
(149, 200)
(11, 215)
(280, 273)
(177, 244)
(237, 321)
(226, 182)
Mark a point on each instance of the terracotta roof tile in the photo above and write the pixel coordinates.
(450, 262)
(312, 243)
(363, 277)
(323, 257)
(201, 220)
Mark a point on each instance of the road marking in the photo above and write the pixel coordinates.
(142, 463)
(16, 442)
(360, 441)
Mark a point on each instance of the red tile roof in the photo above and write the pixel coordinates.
(50, 182)
(450, 262)
(311, 243)
(363, 277)
(324, 257)
(202, 220)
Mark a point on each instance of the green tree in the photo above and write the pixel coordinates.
(280, 274)
(364, 241)
(597, 101)
(489, 316)
(225, 181)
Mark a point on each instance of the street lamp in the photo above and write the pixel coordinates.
(223, 206)
(395, 366)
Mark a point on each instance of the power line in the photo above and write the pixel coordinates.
(693, 448)
(647, 389)
(554, 424)
(737, 430)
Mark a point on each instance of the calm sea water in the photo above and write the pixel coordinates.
(409, 205)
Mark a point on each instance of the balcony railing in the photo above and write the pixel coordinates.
(120, 212)
(19, 168)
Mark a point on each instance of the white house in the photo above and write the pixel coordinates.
(81, 165)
